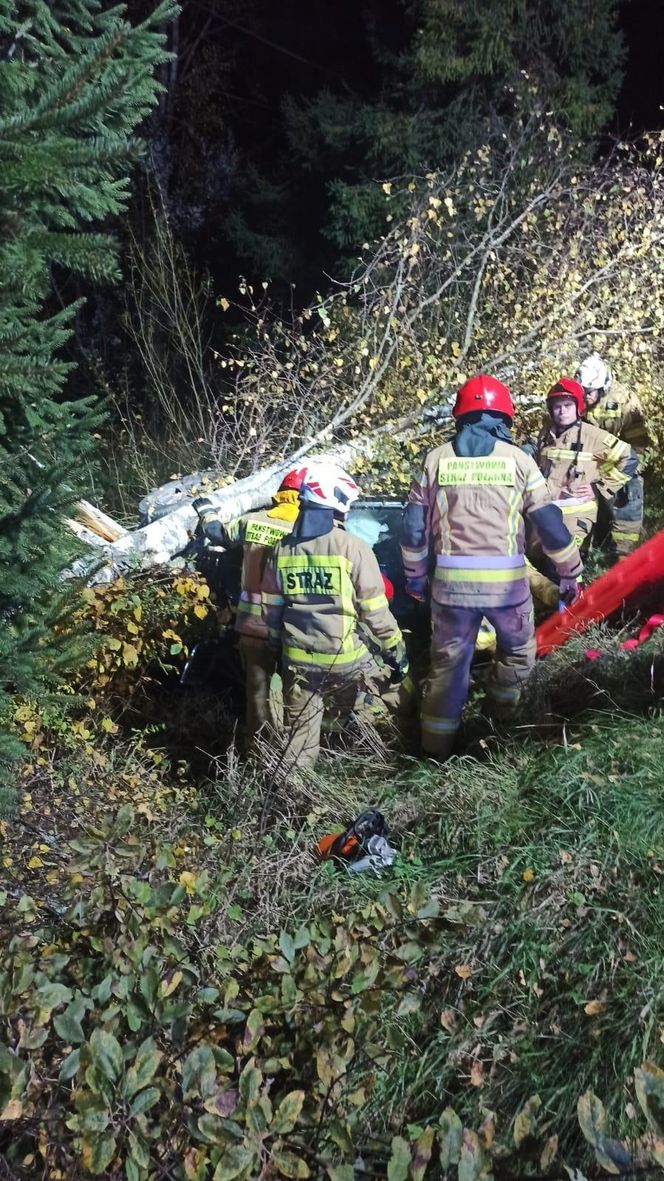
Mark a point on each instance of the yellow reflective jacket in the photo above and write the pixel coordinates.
(467, 516)
(258, 533)
(319, 595)
(582, 454)
(621, 413)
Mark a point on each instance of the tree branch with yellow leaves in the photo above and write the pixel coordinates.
(518, 262)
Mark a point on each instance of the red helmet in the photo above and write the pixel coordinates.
(483, 393)
(292, 481)
(566, 387)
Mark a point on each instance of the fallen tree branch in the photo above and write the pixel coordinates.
(95, 526)
(158, 542)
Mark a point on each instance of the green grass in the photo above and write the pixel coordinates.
(527, 887)
(545, 863)
(587, 826)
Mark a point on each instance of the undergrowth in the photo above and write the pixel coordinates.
(187, 993)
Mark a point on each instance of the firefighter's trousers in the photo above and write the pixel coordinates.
(622, 518)
(581, 525)
(259, 664)
(453, 644)
(309, 691)
(544, 590)
(581, 522)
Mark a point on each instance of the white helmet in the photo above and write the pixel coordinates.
(328, 486)
(594, 374)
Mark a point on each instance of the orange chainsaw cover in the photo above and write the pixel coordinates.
(326, 844)
(630, 578)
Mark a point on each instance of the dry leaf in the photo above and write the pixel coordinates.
(658, 1150)
(595, 1007)
(525, 1122)
(528, 875)
(463, 970)
(477, 1074)
(549, 1153)
(448, 1020)
(487, 1130)
(13, 1110)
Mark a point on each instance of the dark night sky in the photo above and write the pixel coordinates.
(642, 94)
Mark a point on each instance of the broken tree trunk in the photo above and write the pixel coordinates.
(158, 542)
(93, 526)
(161, 540)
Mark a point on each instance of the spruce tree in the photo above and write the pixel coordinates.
(406, 85)
(453, 76)
(76, 80)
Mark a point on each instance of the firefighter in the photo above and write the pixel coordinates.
(257, 533)
(579, 461)
(322, 589)
(610, 406)
(466, 513)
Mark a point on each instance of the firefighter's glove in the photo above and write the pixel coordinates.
(206, 511)
(397, 662)
(209, 519)
(417, 588)
(569, 591)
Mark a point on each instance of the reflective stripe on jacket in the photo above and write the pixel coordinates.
(466, 515)
(318, 595)
(585, 454)
(258, 533)
(621, 413)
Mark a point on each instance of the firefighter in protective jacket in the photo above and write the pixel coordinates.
(323, 596)
(611, 406)
(579, 461)
(465, 514)
(257, 533)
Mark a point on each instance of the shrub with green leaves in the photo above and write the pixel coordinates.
(479, 1009)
